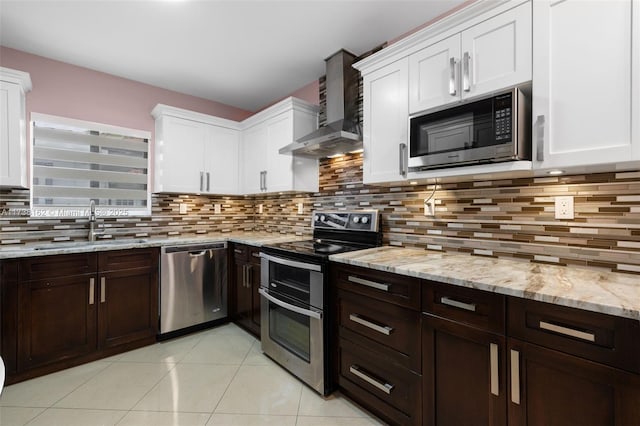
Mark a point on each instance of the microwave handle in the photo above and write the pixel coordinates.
(466, 86)
(402, 149)
(452, 77)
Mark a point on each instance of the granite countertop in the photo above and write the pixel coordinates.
(589, 289)
(68, 247)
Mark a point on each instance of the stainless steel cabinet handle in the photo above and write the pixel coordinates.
(244, 275)
(255, 254)
(466, 85)
(495, 378)
(265, 180)
(285, 305)
(578, 334)
(92, 291)
(540, 138)
(452, 77)
(402, 150)
(384, 387)
(372, 284)
(103, 296)
(457, 304)
(249, 273)
(201, 181)
(237, 251)
(208, 181)
(384, 329)
(515, 377)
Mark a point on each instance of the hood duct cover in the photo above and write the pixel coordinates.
(342, 133)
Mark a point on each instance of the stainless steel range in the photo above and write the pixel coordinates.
(294, 290)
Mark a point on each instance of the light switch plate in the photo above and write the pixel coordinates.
(217, 209)
(300, 208)
(430, 207)
(260, 208)
(564, 207)
(183, 208)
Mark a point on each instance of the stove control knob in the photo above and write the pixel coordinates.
(317, 218)
(356, 219)
(365, 219)
(322, 218)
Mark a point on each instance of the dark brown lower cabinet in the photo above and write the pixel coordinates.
(246, 282)
(464, 380)
(553, 388)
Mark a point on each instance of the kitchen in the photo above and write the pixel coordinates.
(491, 227)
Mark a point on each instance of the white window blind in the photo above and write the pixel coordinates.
(76, 161)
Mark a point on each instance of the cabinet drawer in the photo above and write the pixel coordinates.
(366, 374)
(254, 255)
(393, 326)
(477, 308)
(607, 339)
(240, 252)
(128, 259)
(385, 286)
(46, 267)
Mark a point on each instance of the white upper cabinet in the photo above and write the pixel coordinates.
(385, 133)
(586, 91)
(264, 169)
(491, 55)
(195, 153)
(13, 128)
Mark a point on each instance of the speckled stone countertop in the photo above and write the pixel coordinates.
(599, 291)
(69, 247)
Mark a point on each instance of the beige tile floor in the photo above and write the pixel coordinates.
(214, 377)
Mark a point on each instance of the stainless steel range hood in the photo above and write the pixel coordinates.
(342, 133)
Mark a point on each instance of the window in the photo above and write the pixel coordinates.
(74, 162)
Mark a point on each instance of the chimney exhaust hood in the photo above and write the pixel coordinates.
(342, 134)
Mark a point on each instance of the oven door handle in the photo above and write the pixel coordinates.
(301, 311)
(292, 263)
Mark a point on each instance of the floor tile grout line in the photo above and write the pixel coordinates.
(109, 364)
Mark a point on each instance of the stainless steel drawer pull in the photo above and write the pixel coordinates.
(590, 337)
(384, 329)
(103, 296)
(495, 378)
(457, 304)
(238, 251)
(255, 254)
(92, 291)
(515, 377)
(372, 284)
(384, 387)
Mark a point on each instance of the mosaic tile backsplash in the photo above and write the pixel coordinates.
(511, 218)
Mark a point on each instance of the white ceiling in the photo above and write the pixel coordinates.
(242, 53)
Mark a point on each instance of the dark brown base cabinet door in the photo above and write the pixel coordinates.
(464, 380)
(254, 278)
(57, 320)
(246, 284)
(243, 295)
(552, 388)
(127, 306)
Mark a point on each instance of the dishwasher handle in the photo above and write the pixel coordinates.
(193, 248)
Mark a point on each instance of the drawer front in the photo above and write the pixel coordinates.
(386, 324)
(375, 376)
(469, 306)
(392, 288)
(128, 259)
(240, 252)
(254, 255)
(607, 339)
(47, 267)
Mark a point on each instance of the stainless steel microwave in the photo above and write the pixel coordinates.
(487, 130)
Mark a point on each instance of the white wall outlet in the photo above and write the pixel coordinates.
(430, 207)
(564, 207)
(217, 209)
(183, 208)
(260, 209)
(300, 208)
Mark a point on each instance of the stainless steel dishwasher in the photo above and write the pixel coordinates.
(193, 286)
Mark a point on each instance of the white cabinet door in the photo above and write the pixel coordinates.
(182, 144)
(279, 176)
(221, 156)
(497, 52)
(586, 82)
(434, 75)
(253, 158)
(386, 106)
(13, 137)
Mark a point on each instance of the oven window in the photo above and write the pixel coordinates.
(290, 330)
(293, 282)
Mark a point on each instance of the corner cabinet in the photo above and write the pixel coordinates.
(14, 86)
(195, 153)
(586, 92)
(246, 282)
(264, 169)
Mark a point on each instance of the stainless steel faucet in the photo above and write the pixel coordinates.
(92, 222)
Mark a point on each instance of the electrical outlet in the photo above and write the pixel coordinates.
(259, 208)
(430, 207)
(183, 208)
(217, 209)
(300, 208)
(564, 207)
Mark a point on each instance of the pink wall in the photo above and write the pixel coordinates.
(70, 91)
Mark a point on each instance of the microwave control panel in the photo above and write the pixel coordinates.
(503, 117)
